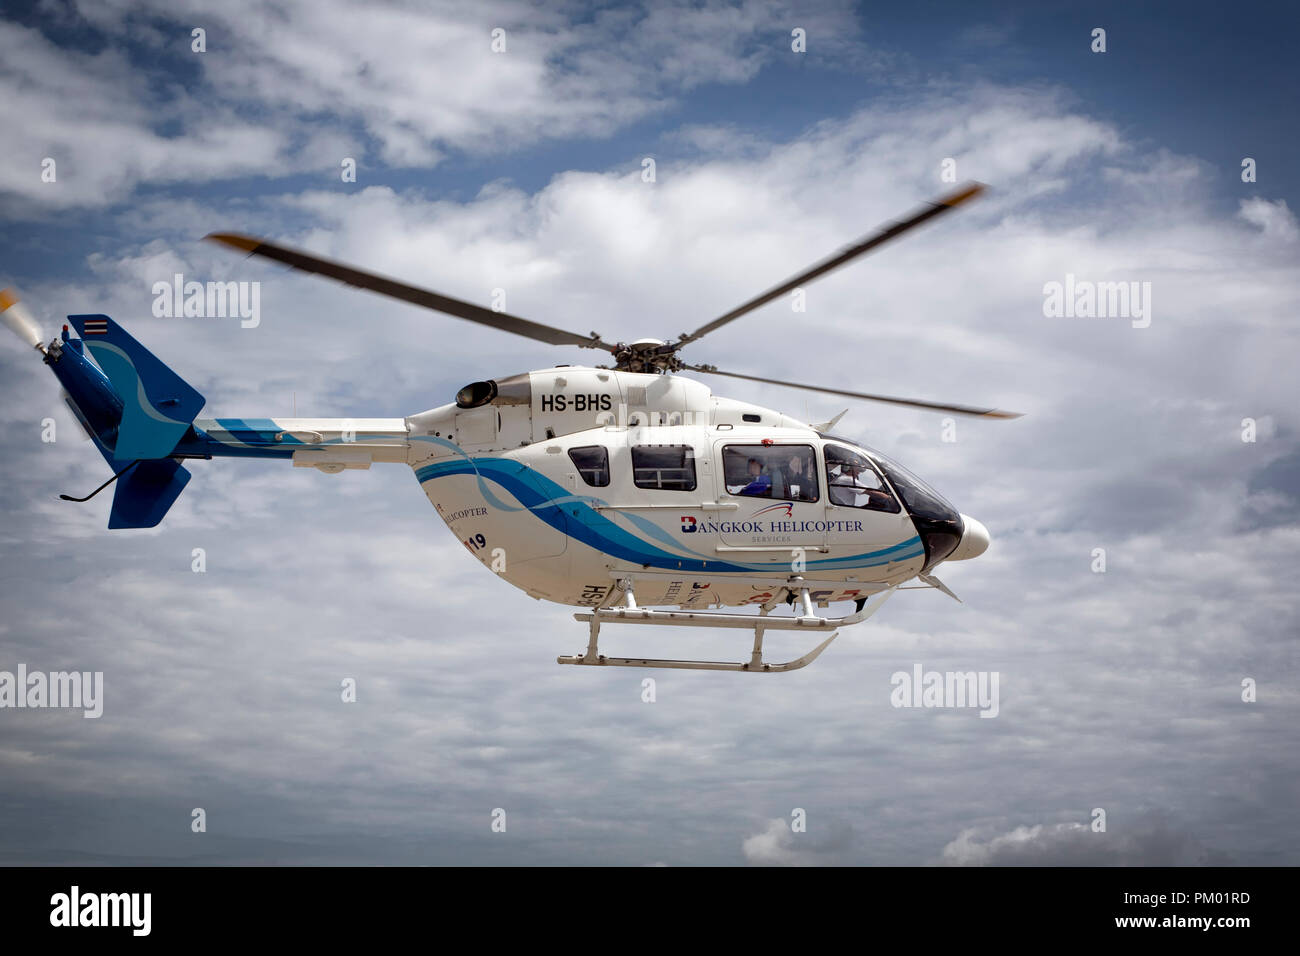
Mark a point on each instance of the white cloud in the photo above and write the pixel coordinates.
(1273, 219)
(95, 117)
(778, 845)
(775, 845)
(1149, 841)
(296, 87)
(1038, 844)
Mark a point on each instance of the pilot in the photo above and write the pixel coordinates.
(759, 483)
(848, 488)
(842, 486)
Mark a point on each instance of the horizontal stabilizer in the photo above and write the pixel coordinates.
(146, 492)
(157, 404)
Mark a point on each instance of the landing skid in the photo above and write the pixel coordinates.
(629, 613)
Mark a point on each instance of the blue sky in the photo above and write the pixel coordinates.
(522, 171)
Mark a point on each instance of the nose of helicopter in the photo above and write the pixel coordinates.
(974, 540)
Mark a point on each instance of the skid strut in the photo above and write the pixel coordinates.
(630, 613)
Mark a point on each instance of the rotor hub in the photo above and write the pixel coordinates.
(647, 355)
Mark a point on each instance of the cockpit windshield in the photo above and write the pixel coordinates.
(921, 500)
(937, 522)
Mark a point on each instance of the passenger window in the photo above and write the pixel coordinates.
(786, 472)
(852, 481)
(665, 467)
(592, 462)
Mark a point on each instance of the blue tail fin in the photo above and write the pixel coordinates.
(146, 492)
(156, 410)
(158, 406)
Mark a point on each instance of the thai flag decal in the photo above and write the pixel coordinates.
(96, 326)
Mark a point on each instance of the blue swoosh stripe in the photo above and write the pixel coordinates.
(597, 531)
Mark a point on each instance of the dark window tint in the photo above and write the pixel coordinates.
(667, 467)
(592, 462)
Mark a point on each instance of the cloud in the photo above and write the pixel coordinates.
(293, 89)
(1274, 219)
(777, 845)
(1153, 842)
(96, 117)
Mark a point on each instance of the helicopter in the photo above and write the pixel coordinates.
(628, 491)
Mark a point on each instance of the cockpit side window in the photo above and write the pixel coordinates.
(853, 482)
(592, 462)
(785, 472)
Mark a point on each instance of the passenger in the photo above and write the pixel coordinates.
(780, 487)
(798, 483)
(759, 483)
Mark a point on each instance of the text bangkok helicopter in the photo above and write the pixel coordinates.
(612, 489)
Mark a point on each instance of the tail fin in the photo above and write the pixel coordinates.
(158, 406)
(146, 493)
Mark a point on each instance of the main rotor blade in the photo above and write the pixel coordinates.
(907, 402)
(923, 214)
(306, 262)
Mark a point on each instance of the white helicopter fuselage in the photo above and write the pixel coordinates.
(514, 479)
